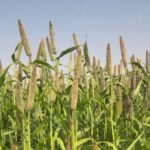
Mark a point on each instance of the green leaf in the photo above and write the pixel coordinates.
(60, 142)
(120, 85)
(133, 143)
(83, 141)
(2, 77)
(13, 55)
(137, 90)
(57, 132)
(2, 80)
(67, 51)
(85, 130)
(43, 64)
(140, 67)
(8, 132)
(146, 124)
(110, 144)
(25, 69)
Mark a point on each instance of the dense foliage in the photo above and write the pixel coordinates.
(85, 108)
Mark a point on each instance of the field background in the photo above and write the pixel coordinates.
(74, 76)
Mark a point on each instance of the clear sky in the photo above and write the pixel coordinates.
(101, 21)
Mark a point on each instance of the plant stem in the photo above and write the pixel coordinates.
(24, 135)
(51, 128)
(111, 112)
(73, 129)
(29, 134)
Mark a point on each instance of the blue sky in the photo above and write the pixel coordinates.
(101, 21)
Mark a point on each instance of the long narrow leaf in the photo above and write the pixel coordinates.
(134, 142)
(67, 51)
(43, 64)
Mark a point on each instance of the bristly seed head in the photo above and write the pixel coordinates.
(43, 50)
(123, 51)
(147, 62)
(32, 89)
(79, 67)
(50, 49)
(24, 39)
(74, 95)
(52, 38)
(115, 70)
(18, 53)
(109, 60)
(76, 43)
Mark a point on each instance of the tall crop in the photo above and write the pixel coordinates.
(90, 107)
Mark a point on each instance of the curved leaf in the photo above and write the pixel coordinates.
(60, 142)
(67, 51)
(83, 141)
(2, 77)
(43, 64)
(140, 67)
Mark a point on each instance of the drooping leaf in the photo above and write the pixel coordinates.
(110, 145)
(140, 67)
(83, 141)
(25, 69)
(67, 51)
(60, 142)
(44, 64)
